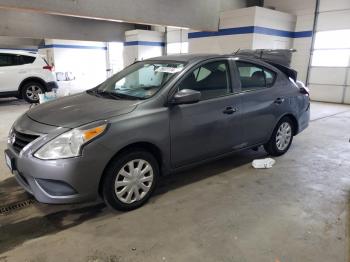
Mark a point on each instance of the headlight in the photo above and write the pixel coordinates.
(69, 144)
(10, 136)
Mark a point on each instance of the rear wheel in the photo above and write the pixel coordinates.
(31, 91)
(130, 180)
(281, 138)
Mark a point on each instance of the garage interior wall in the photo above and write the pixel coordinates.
(280, 24)
(142, 44)
(329, 77)
(176, 40)
(246, 28)
(304, 10)
(79, 65)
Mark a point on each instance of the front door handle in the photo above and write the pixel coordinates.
(229, 110)
(279, 101)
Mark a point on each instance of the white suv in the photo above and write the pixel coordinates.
(25, 74)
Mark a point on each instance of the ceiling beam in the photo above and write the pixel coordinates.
(195, 14)
(40, 26)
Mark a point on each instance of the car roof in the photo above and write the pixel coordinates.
(186, 58)
(194, 58)
(18, 52)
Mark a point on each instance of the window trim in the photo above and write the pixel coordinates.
(272, 85)
(190, 70)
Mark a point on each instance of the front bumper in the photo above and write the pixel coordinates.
(57, 182)
(62, 181)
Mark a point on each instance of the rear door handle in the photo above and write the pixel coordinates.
(229, 110)
(279, 101)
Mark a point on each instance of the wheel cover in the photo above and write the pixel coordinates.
(133, 181)
(283, 136)
(33, 91)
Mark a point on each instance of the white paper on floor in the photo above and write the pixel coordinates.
(263, 163)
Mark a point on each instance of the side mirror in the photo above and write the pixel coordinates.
(186, 96)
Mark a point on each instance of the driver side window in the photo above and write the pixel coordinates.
(211, 79)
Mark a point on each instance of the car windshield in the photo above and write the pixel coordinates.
(138, 81)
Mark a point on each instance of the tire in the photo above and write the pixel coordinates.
(134, 188)
(281, 138)
(31, 90)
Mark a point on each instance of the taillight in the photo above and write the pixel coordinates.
(302, 88)
(50, 68)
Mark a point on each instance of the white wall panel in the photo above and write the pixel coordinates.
(328, 5)
(304, 22)
(300, 64)
(176, 35)
(297, 7)
(334, 20)
(271, 42)
(274, 19)
(88, 65)
(327, 75)
(220, 44)
(347, 95)
(237, 18)
(302, 44)
(140, 51)
(326, 93)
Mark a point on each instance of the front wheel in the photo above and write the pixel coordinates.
(281, 138)
(130, 180)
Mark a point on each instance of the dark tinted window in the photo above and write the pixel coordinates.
(12, 60)
(7, 60)
(254, 76)
(211, 79)
(23, 59)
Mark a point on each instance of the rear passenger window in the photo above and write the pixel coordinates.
(211, 79)
(23, 59)
(254, 76)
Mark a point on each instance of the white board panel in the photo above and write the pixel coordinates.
(326, 93)
(327, 75)
(347, 95)
(333, 20)
(328, 5)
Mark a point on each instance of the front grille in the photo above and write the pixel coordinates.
(21, 140)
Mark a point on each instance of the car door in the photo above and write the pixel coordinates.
(210, 127)
(9, 66)
(262, 101)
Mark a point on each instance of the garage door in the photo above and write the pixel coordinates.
(329, 72)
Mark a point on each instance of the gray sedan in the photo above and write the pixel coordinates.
(155, 117)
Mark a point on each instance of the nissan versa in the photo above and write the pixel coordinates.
(154, 117)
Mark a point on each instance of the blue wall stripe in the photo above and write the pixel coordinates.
(302, 34)
(251, 30)
(274, 32)
(146, 43)
(73, 46)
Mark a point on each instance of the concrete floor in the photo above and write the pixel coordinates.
(223, 211)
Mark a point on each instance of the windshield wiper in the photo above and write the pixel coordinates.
(112, 95)
(100, 93)
(122, 96)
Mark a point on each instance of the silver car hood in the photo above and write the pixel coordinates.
(80, 109)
